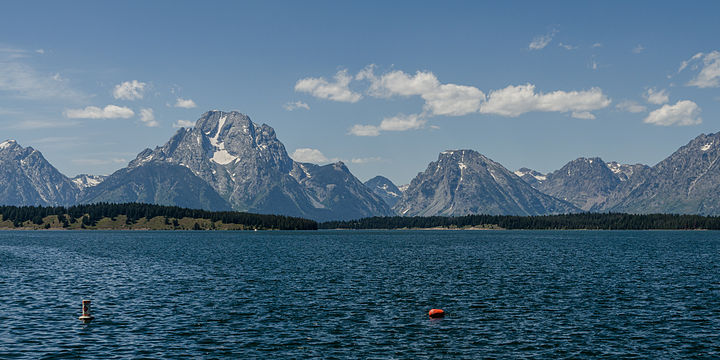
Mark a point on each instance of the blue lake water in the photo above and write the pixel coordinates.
(360, 294)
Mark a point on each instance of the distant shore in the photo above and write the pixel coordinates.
(138, 216)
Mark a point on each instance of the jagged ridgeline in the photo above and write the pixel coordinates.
(143, 216)
(226, 162)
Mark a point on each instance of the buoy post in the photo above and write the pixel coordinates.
(436, 313)
(86, 317)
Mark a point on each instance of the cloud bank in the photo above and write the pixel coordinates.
(448, 99)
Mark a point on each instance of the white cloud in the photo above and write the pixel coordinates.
(631, 106)
(656, 97)
(567, 46)
(8, 53)
(40, 51)
(296, 105)
(184, 103)
(440, 99)
(308, 155)
(323, 89)
(366, 160)
(596, 45)
(22, 81)
(685, 63)
(148, 118)
(585, 115)
(183, 123)
(516, 100)
(398, 82)
(42, 124)
(683, 113)
(94, 112)
(364, 130)
(458, 100)
(638, 49)
(129, 90)
(709, 75)
(541, 41)
(454, 100)
(402, 122)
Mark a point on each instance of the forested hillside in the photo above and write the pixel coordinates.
(142, 216)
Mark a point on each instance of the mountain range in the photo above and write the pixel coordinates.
(465, 182)
(228, 162)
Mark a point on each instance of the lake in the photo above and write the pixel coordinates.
(360, 294)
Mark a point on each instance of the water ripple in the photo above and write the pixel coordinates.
(360, 294)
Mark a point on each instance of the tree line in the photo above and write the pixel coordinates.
(584, 221)
(91, 213)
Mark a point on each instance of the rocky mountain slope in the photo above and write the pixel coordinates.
(158, 183)
(249, 167)
(588, 183)
(531, 176)
(229, 162)
(27, 178)
(464, 182)
(84, 181)
(687, 182)
(385, 189)
(584, 182)
(335, 188)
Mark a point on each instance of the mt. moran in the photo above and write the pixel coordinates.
(248, 167)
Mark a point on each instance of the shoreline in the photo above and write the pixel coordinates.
(341, 229)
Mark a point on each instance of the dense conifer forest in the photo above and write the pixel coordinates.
(138, 215)
(586, 221)
(148, 216)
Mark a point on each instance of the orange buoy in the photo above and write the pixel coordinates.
(436, 313)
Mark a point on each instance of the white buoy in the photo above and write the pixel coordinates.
(86, 317)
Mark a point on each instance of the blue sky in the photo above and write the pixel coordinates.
(383, 86)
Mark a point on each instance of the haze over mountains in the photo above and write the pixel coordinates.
(226, 161)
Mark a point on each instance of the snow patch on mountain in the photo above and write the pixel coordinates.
(614, 167)
(220, 156)
(84, 181)
(6, 144)
(535, 174)
(223, 157)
